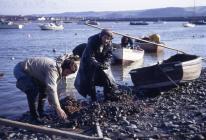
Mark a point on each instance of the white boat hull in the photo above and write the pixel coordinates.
(47, 27)
(127, 55)
(188, 25)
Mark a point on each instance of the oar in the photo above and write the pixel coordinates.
(46, 130)
(162, 45)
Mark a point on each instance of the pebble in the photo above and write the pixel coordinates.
(135, 117)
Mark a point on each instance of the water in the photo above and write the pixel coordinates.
(16, 45)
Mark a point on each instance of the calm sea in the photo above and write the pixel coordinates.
(16, 45)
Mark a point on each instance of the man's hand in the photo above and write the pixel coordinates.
(61, 113)
(104, 66)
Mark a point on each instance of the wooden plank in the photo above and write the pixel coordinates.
(45, 130)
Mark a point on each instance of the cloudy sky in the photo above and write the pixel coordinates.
(26, 7)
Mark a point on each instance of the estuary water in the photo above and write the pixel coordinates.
(16, 45)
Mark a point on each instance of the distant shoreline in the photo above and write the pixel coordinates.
(74, 19)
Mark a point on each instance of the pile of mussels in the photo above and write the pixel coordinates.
(179, 113)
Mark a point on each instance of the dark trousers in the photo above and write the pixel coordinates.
(35, 91)
(100, 78)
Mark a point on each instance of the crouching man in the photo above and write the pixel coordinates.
(38, 78)
(94, 67)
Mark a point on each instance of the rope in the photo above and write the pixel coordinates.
(168, 77)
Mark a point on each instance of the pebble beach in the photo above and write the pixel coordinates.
(175, 114)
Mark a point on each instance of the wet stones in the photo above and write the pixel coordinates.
(179, 113)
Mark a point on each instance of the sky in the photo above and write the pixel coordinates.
(28, 7)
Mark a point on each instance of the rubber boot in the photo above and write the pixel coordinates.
(41, 104)
(107, 92)
(93, 94)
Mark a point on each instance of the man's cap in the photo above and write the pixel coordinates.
(106, 32)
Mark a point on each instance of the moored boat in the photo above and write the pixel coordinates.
(127, 55)
(138, 23)
(92, 22)
(199, 22)
(150, 48)
(188, 24)
(171, 72)
(10, 25)
(51, 26)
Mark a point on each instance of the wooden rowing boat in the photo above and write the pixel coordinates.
(171, 72)
(150, 48)
(127, 55)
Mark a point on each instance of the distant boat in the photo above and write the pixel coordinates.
(127, 55)
(159, 22)
(67, 21)
(188, 24)
(171, 72)
(92, 22)
(51, 26)
(138, 23)
(199, 22)
(10, 25)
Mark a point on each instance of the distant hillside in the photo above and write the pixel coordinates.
(160, 12)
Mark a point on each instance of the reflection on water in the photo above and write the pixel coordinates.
(121, 72)
(153, 58)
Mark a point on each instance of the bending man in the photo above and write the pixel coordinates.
(38, 78)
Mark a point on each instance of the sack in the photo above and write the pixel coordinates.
(155, 38)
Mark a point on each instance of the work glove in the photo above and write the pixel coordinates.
(102, 66)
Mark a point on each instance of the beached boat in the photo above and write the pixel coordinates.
(188, 24)
(120, 55)
(10, 25)
(51, 26)
(138, 23)
(127, 55)
(171, 72)
(150, 48)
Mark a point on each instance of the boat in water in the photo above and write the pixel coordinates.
(127, 55)
(91, 22)
(120, 55)
(150, 48)
(10, 25)
(188, 24)
(199, 22)
(154, 47)
(138, 23)
(159, 22)
(51, 26)
(177, 69)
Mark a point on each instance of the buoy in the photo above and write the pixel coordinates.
(54, 50)
(12, 58)
(1, 75)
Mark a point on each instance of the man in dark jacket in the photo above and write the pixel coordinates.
(126, 42)
(95, 66)
(79, 49)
